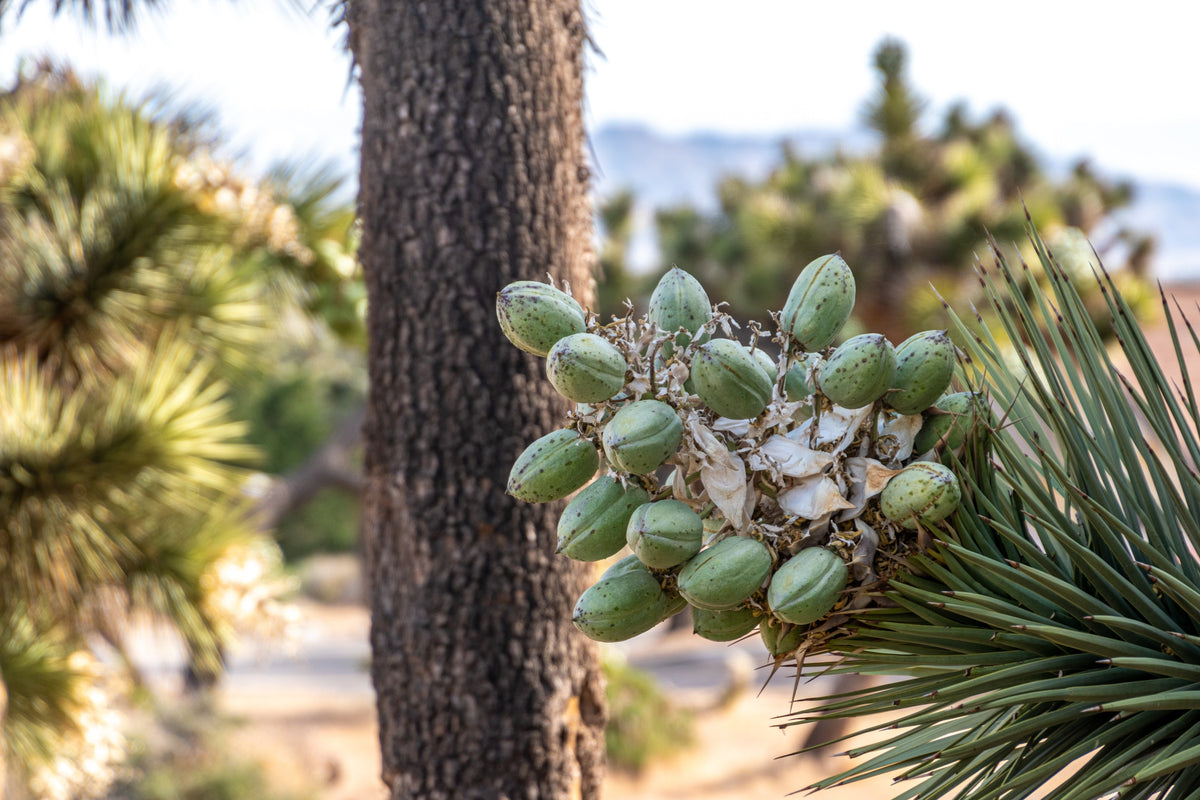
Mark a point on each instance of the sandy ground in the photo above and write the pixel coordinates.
(310, 719)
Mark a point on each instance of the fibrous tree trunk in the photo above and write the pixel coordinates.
(473, 175)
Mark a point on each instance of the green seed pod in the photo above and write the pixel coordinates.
(641, 436)
(674, 603)
(859, 371)
(766, 364)
(553, 467)
(953, 425)
(729, 380)
(585, 368)
(593, 526)
(536, 315)
(923, 493)
(779, 641)
(622, 604)
(665, 533)
(723, 626)
(679, 301)
(796, 384)
(724, 575)
(623, 566)
(807, 586)
(924, 367)
(819, 303)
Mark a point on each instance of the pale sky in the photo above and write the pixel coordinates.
(1079, 80)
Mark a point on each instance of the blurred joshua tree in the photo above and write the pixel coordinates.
(138, 275)
(914, 211)
(615, 282)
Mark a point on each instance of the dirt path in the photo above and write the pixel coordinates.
(310, 719)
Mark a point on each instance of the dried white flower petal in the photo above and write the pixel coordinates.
(867, 477)
(724, 477)
(812, 497)
(837, 426)
(679, 488)
(818, 529)
(896, 433)
(864, 554)
(737, 427)
(639, 385)
(678, 373)
(778, 414)
(789, 458)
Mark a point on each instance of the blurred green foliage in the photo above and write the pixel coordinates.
(146, 286)
(643, 724)
(915, 210)
(328, 523)
(290, 413)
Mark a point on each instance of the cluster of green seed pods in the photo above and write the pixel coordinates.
(766, 485)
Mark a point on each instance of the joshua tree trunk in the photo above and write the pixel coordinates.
(473, 175)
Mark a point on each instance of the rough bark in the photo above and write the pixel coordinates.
(473, 175)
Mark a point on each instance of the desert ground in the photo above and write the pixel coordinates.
(309, 717)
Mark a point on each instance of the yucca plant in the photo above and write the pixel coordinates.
(1048, 641)
(138, 279)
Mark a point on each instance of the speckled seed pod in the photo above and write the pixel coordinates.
(622, 604)
(923, 493)
(536, 315)
(796, 384)
(593, 525)
(780, 642)
(730, 380)
(724, 575)
(553, 467)
(664, 533)
(924, 367)
(766, 364)
(859, 371)
(641, 436)
(807, 586)
(674, 603)
(679, 301)
(819, 303)
(723, 626)
(585, 368)
(951, 426)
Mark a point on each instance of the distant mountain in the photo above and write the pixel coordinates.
(664, 171)
(673, 170)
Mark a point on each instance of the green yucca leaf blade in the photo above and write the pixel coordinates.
(1068, 599)
(1105, 689)
(1160, 666)
(1167, 641)
(1077, 538)
(1178, 589)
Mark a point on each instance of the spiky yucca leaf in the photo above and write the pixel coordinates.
(1056, 623)
(58, 730)
(87, 474)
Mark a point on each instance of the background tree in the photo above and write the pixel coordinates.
(614, 281)
(473, 175)
(139, 279)
(914, 211)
